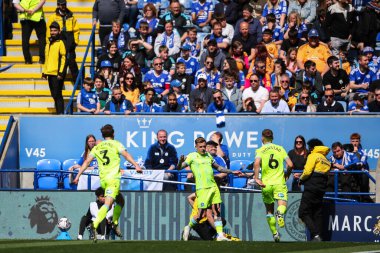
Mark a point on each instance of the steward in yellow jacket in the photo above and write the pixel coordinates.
(69, 34)
(314, 177)
(53, 68)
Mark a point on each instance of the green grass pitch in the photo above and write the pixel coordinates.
(45, 246)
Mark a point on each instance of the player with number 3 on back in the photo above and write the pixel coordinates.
(108, 154)
(270, 157)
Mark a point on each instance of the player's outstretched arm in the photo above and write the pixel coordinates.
(221, 169)
(130, 159)
(83, 168)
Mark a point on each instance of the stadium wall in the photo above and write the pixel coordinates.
(62, 137)
(146, 216)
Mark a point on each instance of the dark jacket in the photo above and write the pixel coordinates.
(317, 87)
(231, 12)
(108, 10)
(205, 94)
(161, 157)
(335, 107)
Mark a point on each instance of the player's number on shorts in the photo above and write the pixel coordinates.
(105, 157)
(273, 163)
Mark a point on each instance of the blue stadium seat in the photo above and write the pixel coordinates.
(47, 180)
(344, 104)
(238, 165)
(182, 177)
(66, 165)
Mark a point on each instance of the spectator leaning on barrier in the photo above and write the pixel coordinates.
(162, 156)
(69, 34)
(259, 94)
(275, 103)
(118, 103)
(219, 105)
(298, 156)
(148, 105)
(53, 68)
(314, 178)
(172, 105)
(330, 105)
(88, 100)
(106, 11)
(31, 17)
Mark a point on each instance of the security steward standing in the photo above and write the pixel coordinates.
(54, 65)
(314, 178)
(32, 18)
(69, 34)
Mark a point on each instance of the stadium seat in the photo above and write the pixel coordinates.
(47, 180)
(238, 165)
(239, 182)
(344, 104)
(66, 165)
(182, 177)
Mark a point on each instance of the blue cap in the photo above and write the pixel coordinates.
(106, 64)
(175, 83)
(368, 50)
(313, 33)
(186, 47)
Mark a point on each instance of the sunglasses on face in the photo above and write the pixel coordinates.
(254, 80)
(329, 96)
(299, 142)
(285, 81)
(158, 64)
(260, 67)
(208, 62)
(129, 78)
(217, 98)
(304, 97)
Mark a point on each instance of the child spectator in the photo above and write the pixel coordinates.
(269, 44)
(168, 61)
(102, 92)
(191, 39)
(182, 100)
(277, 33)
(87, 100)
(185, 79)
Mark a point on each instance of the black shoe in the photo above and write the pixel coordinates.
(316, 239)
(93, 233)
(41, 62)
(28, 62)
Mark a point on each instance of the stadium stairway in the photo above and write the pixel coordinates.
(22, 90)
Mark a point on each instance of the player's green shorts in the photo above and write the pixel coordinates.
(208, 196)
(272, 192)
(111, 187)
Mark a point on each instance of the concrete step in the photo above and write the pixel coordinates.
(70, 5)
(34, 51)
(20, 59)
(31, 68)
(84, 35)
(4, 119)
(48, 10)
(33, 93)
(38, 102)
(6, 75)
(30, 84)
(26, 110)
(34, 43)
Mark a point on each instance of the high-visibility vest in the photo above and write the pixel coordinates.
(29, 5)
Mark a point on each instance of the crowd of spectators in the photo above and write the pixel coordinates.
(301, 52)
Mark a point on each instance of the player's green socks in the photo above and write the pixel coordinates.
(219, 227)
(192, 222)
(101, 215)
(116, 213)
(281, 209)
(272, 223)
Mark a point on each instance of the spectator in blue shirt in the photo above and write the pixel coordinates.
(159, 78)
(162, 156)
(118, 103)
(87, 100)
(191, 62)
(201, 13)
(361, 77)
(279, 8)
(219, 105)
(148, 105)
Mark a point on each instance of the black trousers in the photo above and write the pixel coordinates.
(56, 87)
(103, 32)
(27, 28)
(310, 210)
(85, 221)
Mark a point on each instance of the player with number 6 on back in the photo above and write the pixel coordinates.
(270, 157)
(108, 154)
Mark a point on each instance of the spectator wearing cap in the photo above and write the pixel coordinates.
(54, 65)
(70, 34)
(118, 35)
(191, 63)
(32, 18)
(229, 9)
(213, 51)
(182, 100)
(110, 77)
(172, 104)
(339, 22)
(87, 99)
(148, 105)
(361, 77)
(254, 25)
(169, 38)
(358, 104)
(336, 79)
(201, 13)
(112, 55)
(181, 22)
(159, 78)
(185, 80)
(107, 11)
(330, 105)
(118, 103)
(220, 105)
(202, 92)
(211, 72)
(315, 51)
(373, 60)
(248, 40)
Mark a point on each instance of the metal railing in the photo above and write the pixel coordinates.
(6, 133)
(79, 80)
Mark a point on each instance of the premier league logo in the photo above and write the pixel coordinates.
(43, 215)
